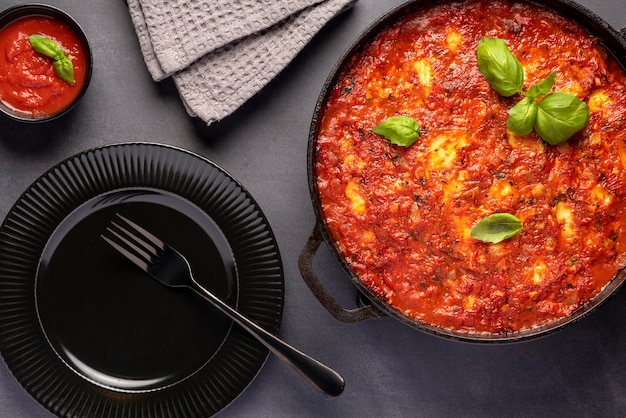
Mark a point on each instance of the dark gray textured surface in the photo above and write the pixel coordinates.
(391, 370)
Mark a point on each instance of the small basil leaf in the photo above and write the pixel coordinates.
(46, 46)
(499, 66)
(65, 70)
(399, 130)
(497, 227)
(522, 117)
(560, 116)
(62, 63)
(543, 87)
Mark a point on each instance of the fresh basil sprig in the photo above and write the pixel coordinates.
(560, 116)
(496, 228)
(399, 130)
(542, 88)
(522, 117)
(555, 118)
(62, 63)
(501, 68)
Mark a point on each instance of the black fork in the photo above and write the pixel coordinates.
(171, 268)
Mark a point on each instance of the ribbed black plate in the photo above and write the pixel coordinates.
(87, 333)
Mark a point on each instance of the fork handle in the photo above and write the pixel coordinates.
(321, 377)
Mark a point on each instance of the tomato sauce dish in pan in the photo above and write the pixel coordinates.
(467, 162)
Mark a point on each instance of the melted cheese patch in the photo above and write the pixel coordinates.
(424, 73)
(444, 149)
(601, 196)
(454, 41)
(501, 188)
(598, 99)
(356, 197)
(565, 217)
(622, 154)
(525, 142)
(539, 272)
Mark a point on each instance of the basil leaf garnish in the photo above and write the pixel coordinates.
(560, 116)
(62, 63)
(522, 117)
(399, 130)
(496, 228)
(556, 118)
(543, 87)
(46, 46)
(500, 67)
(65, 70)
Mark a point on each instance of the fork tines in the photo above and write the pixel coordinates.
(133, 242)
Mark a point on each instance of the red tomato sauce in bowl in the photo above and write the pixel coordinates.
(29, 84)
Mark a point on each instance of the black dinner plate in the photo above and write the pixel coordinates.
(86, 333)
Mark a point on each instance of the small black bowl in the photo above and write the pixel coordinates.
(14, 13)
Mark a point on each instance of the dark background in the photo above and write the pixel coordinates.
(391, 370)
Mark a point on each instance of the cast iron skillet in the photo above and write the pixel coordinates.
(612, 40)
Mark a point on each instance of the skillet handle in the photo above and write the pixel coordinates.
(305, 265)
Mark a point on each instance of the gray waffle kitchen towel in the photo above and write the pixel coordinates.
(222, 52)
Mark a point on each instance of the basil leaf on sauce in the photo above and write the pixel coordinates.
(496, 228)
(500, 67)
(560, 116)
(62, 63)
(46, 46)
(543, 87)
(399, 130)
(65, 70)
(556, 118)
(522, 117)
